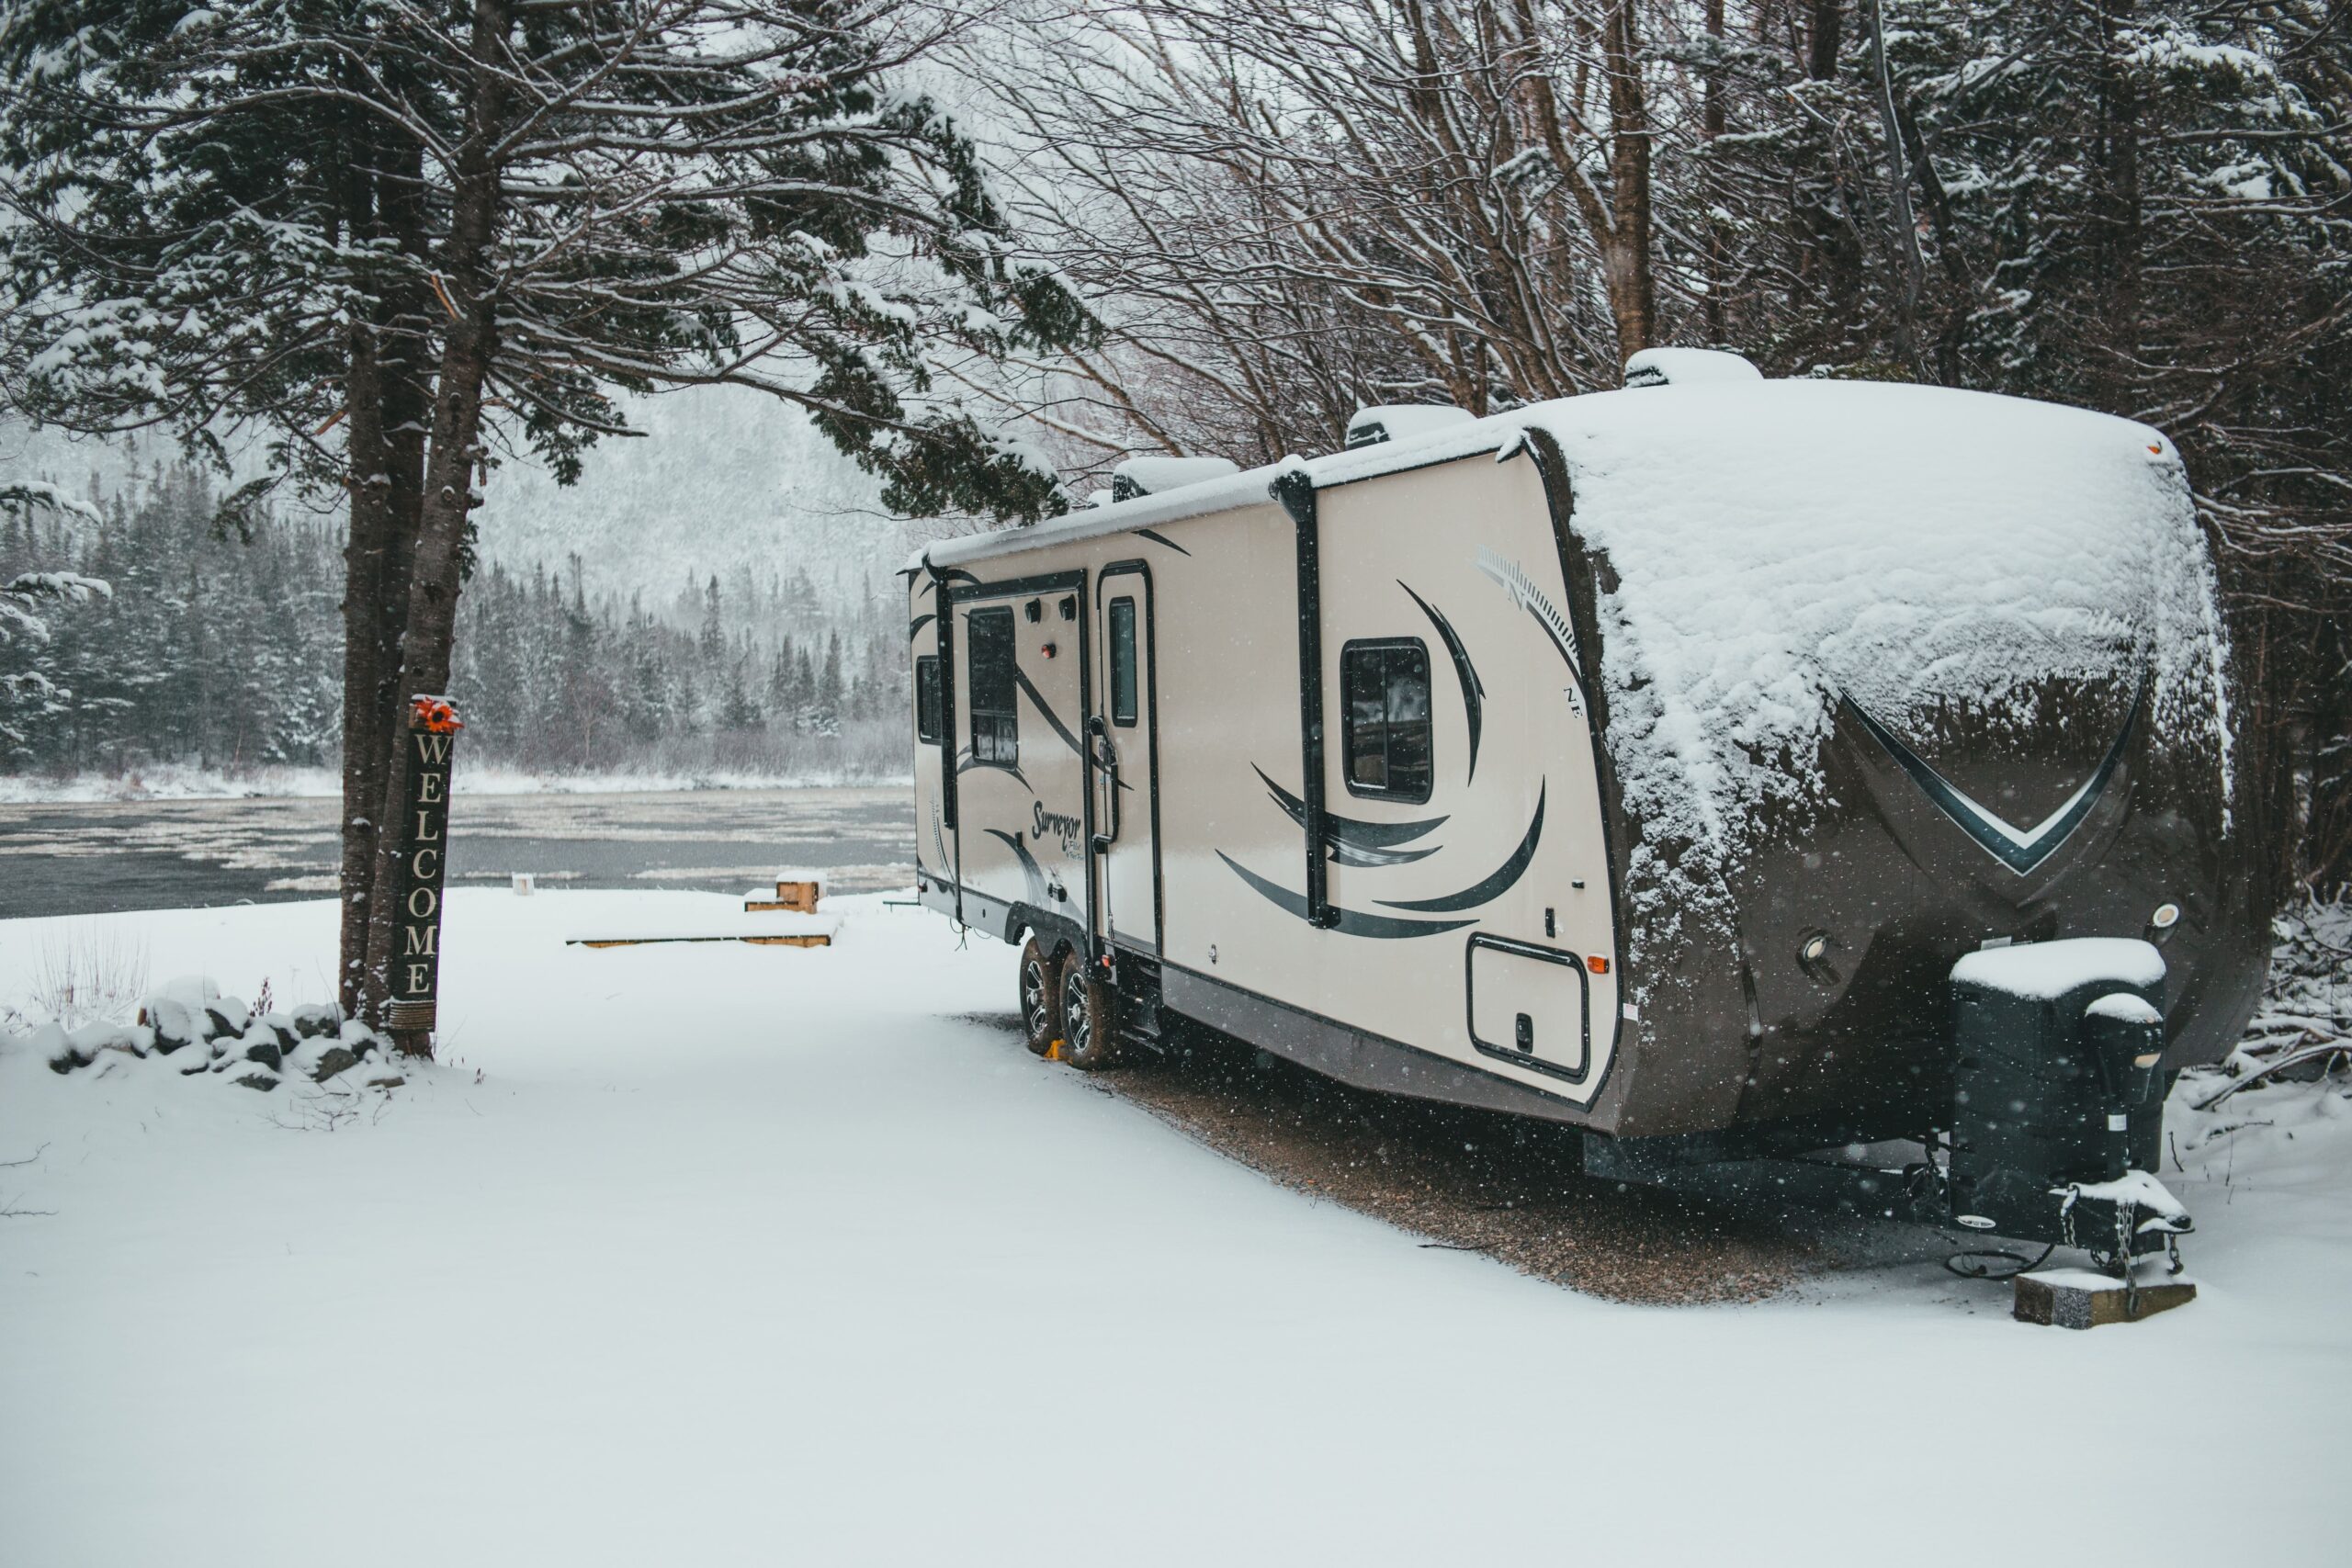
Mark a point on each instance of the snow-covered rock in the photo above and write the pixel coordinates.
(203, 1032)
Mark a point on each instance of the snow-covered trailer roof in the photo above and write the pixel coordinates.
(1774, 546)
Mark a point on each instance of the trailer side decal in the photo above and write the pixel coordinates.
(953, 574)
(1514, 580)
(1021, 677)
(915, 626)
(1473, 689)
(966, 762)
(1347, 923)
(2021, 850)
(1030, 872)
(1488, 888)
(1351, 843)
(1160, 538)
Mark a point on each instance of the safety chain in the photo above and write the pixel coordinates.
(2125, 1214)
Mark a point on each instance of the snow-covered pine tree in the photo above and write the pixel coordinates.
(29, 691)
(738, 711)
(403, 237)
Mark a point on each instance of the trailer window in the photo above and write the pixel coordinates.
(927, 699)
(1385, 687)
(996, 726)
(1122, 662)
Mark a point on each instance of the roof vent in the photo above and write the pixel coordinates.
(1687, 367)
(1402, 422)
(1157, 476)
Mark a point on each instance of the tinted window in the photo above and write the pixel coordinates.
(996, 726)
(1122, 662)
(927, 699)
(1385, 689)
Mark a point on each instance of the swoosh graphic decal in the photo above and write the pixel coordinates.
(1159, 539)
(966, 762)
(1513, 580)
(1489, 888)
(952, 576)
(1021, 677)
(1349, 922)
(1030, 872)
(1374, 842)
(917, 625)
(2021, 849)
(1473, 689)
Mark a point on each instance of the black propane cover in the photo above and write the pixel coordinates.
(2045, 1093)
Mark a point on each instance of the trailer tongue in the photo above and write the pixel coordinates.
(2053, 1122)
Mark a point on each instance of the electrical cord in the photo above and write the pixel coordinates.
(1961, 1263)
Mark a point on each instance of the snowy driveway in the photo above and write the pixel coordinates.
(764, 1255)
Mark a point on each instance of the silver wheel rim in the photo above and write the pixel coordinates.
(1037, 1005)
(1077, 1025)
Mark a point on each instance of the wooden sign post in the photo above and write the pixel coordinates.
(415, 979)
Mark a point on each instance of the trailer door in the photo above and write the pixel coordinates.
(1124, 736)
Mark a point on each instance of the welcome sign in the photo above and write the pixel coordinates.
(415, 971)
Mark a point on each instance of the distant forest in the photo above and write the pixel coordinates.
(225, 653)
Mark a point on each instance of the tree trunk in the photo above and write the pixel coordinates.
(368, 617)
(453, 452)
(1830, 263)
(2118, 207)
(1958, 278)
(364, 551)
(1898, 200)
(384, 455)
(1823, 38)
(1711, 126)
(1625, 250)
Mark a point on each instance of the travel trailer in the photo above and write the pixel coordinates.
(1680, 762)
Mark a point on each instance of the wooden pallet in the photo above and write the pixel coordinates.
(748, 941)
(769, 931)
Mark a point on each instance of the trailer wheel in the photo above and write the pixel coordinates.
(1041, 989)
(1090, 1038)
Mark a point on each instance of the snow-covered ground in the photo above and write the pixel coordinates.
(719, 1254)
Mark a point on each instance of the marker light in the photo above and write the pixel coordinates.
(1598, 965)
(2166, 916)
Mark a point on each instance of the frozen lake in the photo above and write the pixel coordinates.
(84, 858)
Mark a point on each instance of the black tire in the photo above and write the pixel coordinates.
(1089, 1024)
(1041, 995)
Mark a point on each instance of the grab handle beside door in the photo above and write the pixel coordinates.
(1107, 760)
